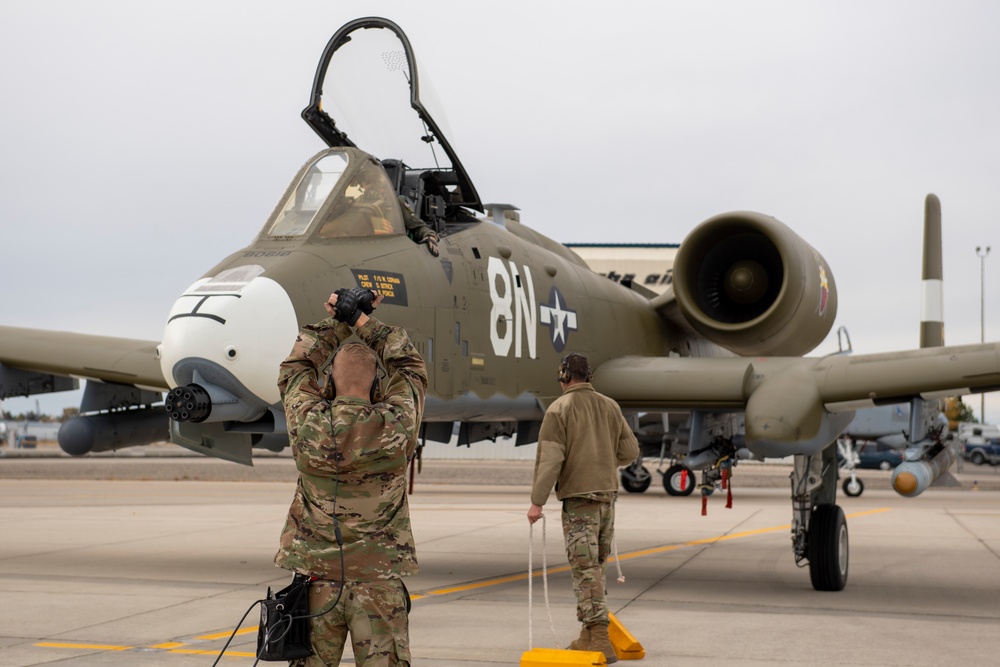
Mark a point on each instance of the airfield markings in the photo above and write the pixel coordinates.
(177, 647)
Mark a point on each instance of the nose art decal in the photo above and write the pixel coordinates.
(194, 311)
(226, 284)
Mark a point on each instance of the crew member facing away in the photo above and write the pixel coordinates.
(583, 441)
(348, 526)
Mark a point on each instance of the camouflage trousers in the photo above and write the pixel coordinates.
(375, 614)
(589, 528)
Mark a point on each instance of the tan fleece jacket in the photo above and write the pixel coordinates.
(583, 441)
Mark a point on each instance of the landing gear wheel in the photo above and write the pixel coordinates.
(636, 479)
(677, 483)
(828, 548)
(853, 487)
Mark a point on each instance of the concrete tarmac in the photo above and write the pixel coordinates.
(116, 572)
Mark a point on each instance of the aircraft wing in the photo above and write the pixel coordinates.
(58, 353)
(796, 404)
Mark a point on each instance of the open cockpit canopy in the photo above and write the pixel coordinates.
(367, 93)
(339, 193)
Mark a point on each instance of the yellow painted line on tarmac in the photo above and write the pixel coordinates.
(759, 531)
(220, 635)
(493, 582)
(95, 647)
(169, 647)
(228, 654)
(632, 554)
(867, 512)
(174, 647)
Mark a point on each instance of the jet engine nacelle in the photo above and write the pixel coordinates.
(747, 282)
(113, 430)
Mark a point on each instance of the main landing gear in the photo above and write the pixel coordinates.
(819, 528)
(678, 480)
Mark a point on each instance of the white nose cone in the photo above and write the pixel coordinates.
(238, 320)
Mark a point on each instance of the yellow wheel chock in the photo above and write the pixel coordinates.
(626, 646)
(555, 657)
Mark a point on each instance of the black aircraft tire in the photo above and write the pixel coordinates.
(672, 481)
(828, 548)
(853, 490)
(636, 484)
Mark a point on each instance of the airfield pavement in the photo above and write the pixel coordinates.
(153, 559)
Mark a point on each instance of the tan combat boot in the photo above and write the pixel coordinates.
(599, 641)
(583, 643)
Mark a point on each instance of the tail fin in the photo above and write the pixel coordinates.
(932, 310)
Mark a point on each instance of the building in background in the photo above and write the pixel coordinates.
(648, 264)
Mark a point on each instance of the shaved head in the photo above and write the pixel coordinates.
(354, 370)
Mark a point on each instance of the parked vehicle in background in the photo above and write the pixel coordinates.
(979, 453)
(977, 434)
(875, 456)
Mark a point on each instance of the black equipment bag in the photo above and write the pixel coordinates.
(283, 633)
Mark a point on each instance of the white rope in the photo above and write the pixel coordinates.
(545, 583)
(614, 547)
(531, 579)
(618, 561)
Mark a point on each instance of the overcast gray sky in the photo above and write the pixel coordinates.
(142, 142)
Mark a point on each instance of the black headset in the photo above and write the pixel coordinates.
(565, 376)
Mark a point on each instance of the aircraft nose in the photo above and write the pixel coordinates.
(231, 332)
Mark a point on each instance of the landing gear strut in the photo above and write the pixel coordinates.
(852, 486)
(819, 529)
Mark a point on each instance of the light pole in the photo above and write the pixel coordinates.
(982, 315)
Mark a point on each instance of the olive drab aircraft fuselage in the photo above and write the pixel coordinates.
(495, 311)
(492, 315)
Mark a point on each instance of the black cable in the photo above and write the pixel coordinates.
(235, 630)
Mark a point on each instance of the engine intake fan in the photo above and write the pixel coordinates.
(750, 284)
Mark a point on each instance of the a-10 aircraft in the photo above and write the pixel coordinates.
(493, 314)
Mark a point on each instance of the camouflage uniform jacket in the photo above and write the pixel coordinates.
(583, 441)
(418, 230)
(352, 457)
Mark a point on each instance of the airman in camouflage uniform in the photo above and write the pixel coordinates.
(351, 455)
(418, 230)
(583, 441)
(373, 193)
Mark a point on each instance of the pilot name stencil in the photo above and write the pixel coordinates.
(392, 286)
